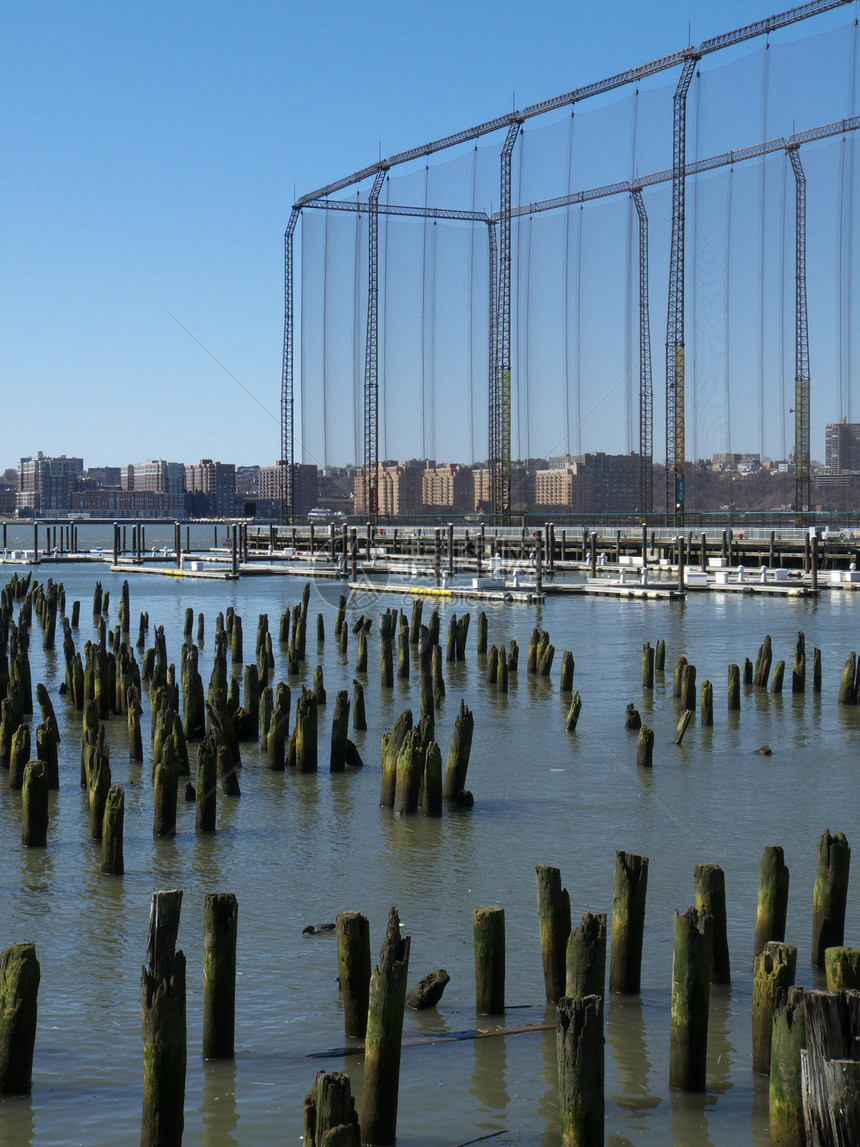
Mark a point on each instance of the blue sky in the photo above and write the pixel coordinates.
(151, 153)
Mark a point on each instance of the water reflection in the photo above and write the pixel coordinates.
(549, 1104)
(16, 1116)
(689, 1118)
(721, 1050)
(625, 1034)
(489, 1085)
(218, 1110)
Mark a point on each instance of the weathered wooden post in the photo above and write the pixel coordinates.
(691, 990)
(330, 1116)
(772, 898)
(734, 690)
(458, 753)
(162, 1011)
(647, 666)
(19, 998)
(678, 679)
(34, 806)
(353, 961)
(206, 787)
(707, 704)
(220, 919)
(645, 747)
(481, 647)
(774, 968)
(798, 672)
(829, 895)
(538, 563)
(234, 551)
(660, 656)
(489, 933)
(816, 670)
(339, 732)
(703, 551)
(568, 667)
(710, 887)
(814, 565)
(580, 1051)
(788, 1036)
(630, 885)
(384, 1031)
(842, 968)
(554, 924)
(593, 543)
(585, 961)
(113, 863)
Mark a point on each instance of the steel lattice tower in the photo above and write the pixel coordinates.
(500, 444)
(371, 352)
(287, 435)
(802, 463)
(675, 430)
(646, 396)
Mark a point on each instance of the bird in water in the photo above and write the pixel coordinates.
(317, 929)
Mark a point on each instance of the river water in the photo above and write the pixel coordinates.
(297, 850)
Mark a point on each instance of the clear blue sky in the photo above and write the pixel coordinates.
(151, 153)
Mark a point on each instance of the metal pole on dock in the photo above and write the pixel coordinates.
(450, 549)
(704, 552)
(772, 549)
(354, 553)
(177, 543)
(550, 541)
(235, 550)
(35, 541)
(538, 563)
(682, 547)
(115, 543)
(437, 556)
(644, 546)
(594, 554)
(814, 563)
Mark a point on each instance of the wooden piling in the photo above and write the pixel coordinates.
(113, 863)
(842, 968)
(798, 671)
(391, 744)
(707, 704)
(734, 689)
(205, 787)
(384, 1030)
(829, 895)
(682, 726)
(691, 988)
(339, 732)
(162, 1009)
(647, 666)
(20, 974)
(567, 670)
(847, 693)
(772, 898)
(677, 686)
(573, 712)
(710, 888)
(554, 925)
(585, 959)
(458, 753)
(645, 747)
(353, 959)
(778, 677)
(431, 797)
(580, 1054)
(660, 656)
(773, 968)
(785, 1101)
(220, 923)
(688, 687)
(630, 885)
(330, 1116)
(359, 720)
(489, 934)
(34, 805)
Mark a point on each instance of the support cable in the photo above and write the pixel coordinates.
(646, 399)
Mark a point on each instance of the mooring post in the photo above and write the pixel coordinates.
(354, 966)
(630, 885)
(220, 917)
(489, 933)
(594, 554)
(235, 551)
(538, 564)
(772, 554)
(554, 924)
(788, 1036)
(580, 1052)
(704, 552)
(162, 1007)
(369, 532)
(353, 553)
(384, 1032)
(772, 898)
(815, 563)
(773, 968)
(437, 557)
(450, 549)
(691, 990)
(19, 991)
(830, 895)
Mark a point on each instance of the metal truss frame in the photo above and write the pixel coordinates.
(802, 461)
(501, 385)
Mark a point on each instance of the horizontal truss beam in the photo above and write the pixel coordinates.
(632, 75)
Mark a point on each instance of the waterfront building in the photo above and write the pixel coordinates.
(400, 489)
(156, 476)
(45, 484)
(842, 447)
(446, 489)
(210, 488)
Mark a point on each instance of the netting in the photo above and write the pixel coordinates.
(575, 319)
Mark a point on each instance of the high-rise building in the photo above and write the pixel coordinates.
(590, 483)
(166, 479)
(446, 489)
(842, 447)
(400, 490)
(212, 488)
(45, 484)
